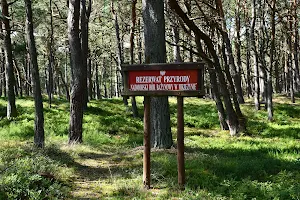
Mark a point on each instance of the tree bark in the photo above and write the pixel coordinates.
(98, 93)
(238, 47)
(255, 57)
(272, 50)
(248, 55)
(38, 100)
(84, 49)
(9, 71)
(133, 20)
(77, 91)
(119, 46)
(296, 47)
(51, 57)
(2, 68)
(155, 52)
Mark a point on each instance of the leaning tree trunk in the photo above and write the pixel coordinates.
(231, 114)
(77, 91)
(236, 70)
(38, 100)
(155, 52)
(9, 72)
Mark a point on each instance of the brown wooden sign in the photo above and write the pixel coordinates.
(184, 79)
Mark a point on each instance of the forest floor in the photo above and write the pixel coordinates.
(263, 163)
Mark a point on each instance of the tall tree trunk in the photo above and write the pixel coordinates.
(38, 100)
(238, 49)
(262, 55)
(51, 57)
(217, 98)
(2, 67)
(77, 92)
(10, 78)
(155, 52)
(240, 116)
(188, 5)
(290, 64)
(255, 57)
(296, 47)
(272, 51)
(119, 47)
(133, 21)
(84, 49)
(248, 55)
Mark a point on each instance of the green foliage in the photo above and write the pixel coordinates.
(29, 175)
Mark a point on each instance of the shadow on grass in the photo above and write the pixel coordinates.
(265, 130)
(199, 116)
(289, 110)
(97, 111)
(234, 172)
(112, 168)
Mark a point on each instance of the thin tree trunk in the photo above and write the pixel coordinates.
(296, 47)
(248, 56)
(10, 78)
(290, 69)
(19, 78)
(133, 22)
(51, 57)
(90, 81)
(217, 99)
(119, 47)
(77, 93)
(238, 49)
(84, 49)
(38, 100)
(64, 84)
(2, 68)
(255, 57)
(272, 50)
(98, 94)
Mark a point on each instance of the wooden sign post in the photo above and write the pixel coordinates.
(178, 79)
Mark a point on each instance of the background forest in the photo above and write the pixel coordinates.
(61, 83)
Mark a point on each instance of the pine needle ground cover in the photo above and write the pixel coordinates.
(263, 163)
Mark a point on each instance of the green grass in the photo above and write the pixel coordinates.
(263, 163)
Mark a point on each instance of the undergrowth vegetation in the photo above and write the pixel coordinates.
(263, 163)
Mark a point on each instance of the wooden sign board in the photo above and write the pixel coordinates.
(184, 79)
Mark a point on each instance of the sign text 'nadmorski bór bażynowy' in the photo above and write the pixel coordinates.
(171, 80)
